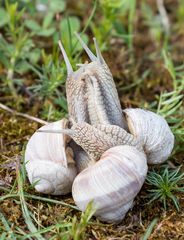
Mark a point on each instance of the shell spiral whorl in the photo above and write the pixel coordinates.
(112, 183)
(153, 131)
(49, 161)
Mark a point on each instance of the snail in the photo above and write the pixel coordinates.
(55, 174)
(49, 161)
(112, 183)
(153, 131)
(114, 172)
(101, 152)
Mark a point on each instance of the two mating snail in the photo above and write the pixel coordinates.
(101, 152)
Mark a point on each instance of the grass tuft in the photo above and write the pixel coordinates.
(165, 185)
(78, 228)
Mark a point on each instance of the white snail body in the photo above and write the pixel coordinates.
(112, 183)
(49, 162)
(91, 92)
(153, 131)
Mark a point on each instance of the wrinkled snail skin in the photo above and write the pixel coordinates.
(77, 108)
(75, 91)
(103, 102)
(82, 159)
(49, 161)
(91, 92)
(153, 131)
(103, 98)
(95, 140)
(120, 136)
(112, 183)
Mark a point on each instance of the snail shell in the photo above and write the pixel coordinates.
(112, 183)
(49, 162)
(153, 131)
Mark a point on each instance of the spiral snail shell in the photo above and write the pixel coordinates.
(153, 131)
(49, 162)
(112, 183)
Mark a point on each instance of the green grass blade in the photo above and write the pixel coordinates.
(149, 229)
(7, 227)
(32, 228)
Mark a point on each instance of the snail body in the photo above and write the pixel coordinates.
(95, 140)
(91, 92)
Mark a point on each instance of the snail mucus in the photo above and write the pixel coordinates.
(100, 152)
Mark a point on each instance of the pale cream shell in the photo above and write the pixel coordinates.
(112, 183)
(153, 131)
(48, 162)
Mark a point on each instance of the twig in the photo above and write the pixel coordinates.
(35, 119)
(164, 17)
